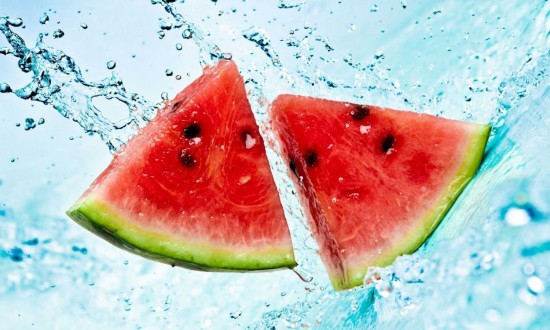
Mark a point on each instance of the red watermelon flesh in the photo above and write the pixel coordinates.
(375, 181)
(194, 187)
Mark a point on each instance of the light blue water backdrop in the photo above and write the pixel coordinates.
(99, 69)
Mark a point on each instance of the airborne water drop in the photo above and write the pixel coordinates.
(111, 64)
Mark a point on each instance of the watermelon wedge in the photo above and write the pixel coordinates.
(375, 182)
(194, 187)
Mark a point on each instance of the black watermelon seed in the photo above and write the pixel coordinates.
(292, 166)
(244, 134)
(360, 112)
(388, 143)
(192, 131)
(176, 105)
(311, 158)
(187, 159)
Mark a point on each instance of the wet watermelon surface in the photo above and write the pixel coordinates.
(198, 176)
(375, 181)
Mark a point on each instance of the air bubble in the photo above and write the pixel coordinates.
(161, 34)
(169, 72)
(164, 96)
(374, 8)
(84, 26)
(111, 65)
(179, 46)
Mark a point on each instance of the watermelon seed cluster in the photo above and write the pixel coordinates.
(190, 132)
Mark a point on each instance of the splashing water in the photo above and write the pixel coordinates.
(489, 258)
(58, 81)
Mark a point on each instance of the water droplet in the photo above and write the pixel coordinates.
(92, 283)
(165, 25)
(5, 88)
(29, 124)
(15, 22)
(41, 121)
(374, 8)
(379, 55)
(16, 254)
(125, 262)
(84, 26)
(58, 34)
(283, 293)
(535, 285)
(528, 269)
(111, 64)
(178, 77)
(44, 19)
(187, 34)
(516, 216)
(168, 72)
(179, 46)
(161, 34)
(227, 56)
(235, 315)
(164, 96)
(404, 4)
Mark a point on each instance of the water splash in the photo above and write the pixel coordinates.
(209, 52)
(459, 277)
(57, 81)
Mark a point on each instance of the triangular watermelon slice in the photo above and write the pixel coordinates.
(375, 182)
(194, 187)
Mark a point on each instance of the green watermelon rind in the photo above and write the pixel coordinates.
(96, 216)
(417, 236)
